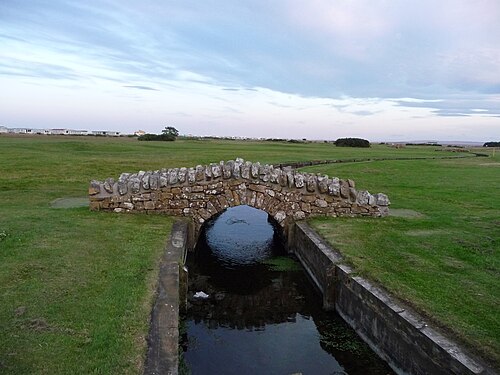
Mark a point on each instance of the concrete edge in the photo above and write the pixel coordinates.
(458, 361)
(163, 338)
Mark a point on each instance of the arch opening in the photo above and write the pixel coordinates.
(234, 247)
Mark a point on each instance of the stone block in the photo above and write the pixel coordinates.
(179, 203)
(182, 175)
(191, 176)
(299, 215)
(259, 188)
(382, 199)
(357, 209)
(246, 169)
(211, 208)
(255, 170)
(94, 188)
(259, 201)
(235, 198)
(299, 181)
(197, 204)
(353, 194)
(323, 184)
(154, 181)
(363, 197)
(334, 186)
(145, 181)
(274, 175)
(306, 207)
(199, 173)
(282, 179)
(127, 205)
(173, 176)
(265, 172)
(216, 170)
(308, 198)
(344, 189)
(321, 203)
(311, 183)
(290, 179)
(280, 216)
(95, 205)
(208, 172)
(197, 189)
(122, 187)
(149, 205)
(108, 185)
(204, 214)
(227, 169)
(166, 196)
(252, 199)
(163, 180)
(197, 196)
(222, 201)
(236, 170)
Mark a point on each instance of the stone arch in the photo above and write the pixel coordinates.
(205, 190)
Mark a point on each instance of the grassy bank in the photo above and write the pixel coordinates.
(76, 286)
(442, 258)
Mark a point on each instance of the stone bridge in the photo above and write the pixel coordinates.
(206, 190)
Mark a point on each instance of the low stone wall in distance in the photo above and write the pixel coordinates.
(205, 190)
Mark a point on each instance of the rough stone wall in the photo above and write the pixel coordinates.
(205, 190)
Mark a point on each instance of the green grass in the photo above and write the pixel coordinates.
(76, 286)
(445, 262)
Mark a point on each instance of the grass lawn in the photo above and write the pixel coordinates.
(444, 261)
(76, 286)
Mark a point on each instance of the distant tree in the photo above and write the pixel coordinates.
(492, 144)
(168, 134)
(170, 131)
(352, 142)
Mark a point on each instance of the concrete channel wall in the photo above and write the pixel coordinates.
(163, 339)
(402, 338)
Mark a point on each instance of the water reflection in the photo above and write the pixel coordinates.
(262, 314)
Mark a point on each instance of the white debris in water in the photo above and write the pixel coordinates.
(200, 295)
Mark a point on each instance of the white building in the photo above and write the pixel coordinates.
(105, 132)
(77, 132)
(4, 129)
(58, 131)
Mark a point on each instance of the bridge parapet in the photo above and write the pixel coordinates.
(205, 190)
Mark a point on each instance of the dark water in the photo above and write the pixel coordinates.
(262, 315)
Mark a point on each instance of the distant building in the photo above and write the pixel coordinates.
(139, 133)
(77, 132)
(21, 131)
(106, 132)
(58, 131)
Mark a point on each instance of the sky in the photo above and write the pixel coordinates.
(384, 70)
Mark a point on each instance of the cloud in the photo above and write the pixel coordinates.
(140, 87)
(461, 107)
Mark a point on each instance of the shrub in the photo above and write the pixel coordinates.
(156, 137)
(492, 144)
(352, 142)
